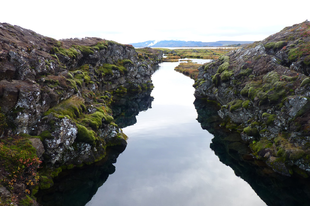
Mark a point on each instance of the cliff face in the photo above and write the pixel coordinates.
(57, 94)
(263, 93)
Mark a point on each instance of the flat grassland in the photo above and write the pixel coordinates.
(189, 68)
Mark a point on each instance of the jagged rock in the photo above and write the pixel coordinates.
(263, 89)
(62, 91)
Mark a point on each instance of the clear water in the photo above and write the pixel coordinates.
(168, 160)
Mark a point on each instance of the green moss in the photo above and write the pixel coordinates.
(260, 145)
(235, 104)
(276, 95)
(85, 135)
(73, 84)
(280, 44)
(250, 131)
(45, 182)
(293, 54)
(94, 120)
(225, 76)
(224, 58)
(275, 45)
(245, 104)
(71, 107)
(305, 82)
(87, 79)
(223, 67)
(56, 172)
(270, 45)
(86, 50)
(252, 93)
(245, 91)
(26, 201)
(271, 77)
(46, 135)
(269, 118)
(216, 79)
(288, 78)
(306, 60)
(71, 52)
(106, 69)
(245, 72)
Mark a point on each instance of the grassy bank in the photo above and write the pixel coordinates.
(175, 54)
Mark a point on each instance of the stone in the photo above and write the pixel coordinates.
(38, 145)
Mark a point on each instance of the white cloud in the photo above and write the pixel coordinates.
(137, 20)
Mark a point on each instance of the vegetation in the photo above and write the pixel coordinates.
(189, 69)
(174, 55)
(18, 166)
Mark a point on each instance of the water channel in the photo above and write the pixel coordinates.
(168, 160)
(171, 161)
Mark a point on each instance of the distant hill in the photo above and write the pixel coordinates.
(177, 43)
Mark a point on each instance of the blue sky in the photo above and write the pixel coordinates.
(133, 21)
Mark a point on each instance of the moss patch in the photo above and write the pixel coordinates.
(85, 135)
(73, 107)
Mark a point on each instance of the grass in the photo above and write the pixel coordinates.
(195, 53)
(189, 69)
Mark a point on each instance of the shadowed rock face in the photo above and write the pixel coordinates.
(126, 108)
(77, 186)
(263, 93)
(273, 188)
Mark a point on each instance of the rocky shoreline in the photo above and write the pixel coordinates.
(56, 98)
(262, 92)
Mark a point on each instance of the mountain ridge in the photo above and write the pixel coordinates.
(180, 43)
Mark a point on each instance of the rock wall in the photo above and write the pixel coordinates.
(58, 94)
(263, 93)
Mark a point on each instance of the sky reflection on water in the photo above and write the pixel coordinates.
(168, 160)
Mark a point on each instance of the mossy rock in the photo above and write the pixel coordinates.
(45, 182)
(305, 82)
(225, 76)
(270, 45)
(223, 67)
(85, 135)
(73, 107)
(216, 79)
(263, 143)
(246, 103)
(245, 72)
(235, 104)
(250, 131)
(271, 77)
(46, 135)
(269, 118)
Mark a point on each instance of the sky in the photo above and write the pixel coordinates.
(132, 21)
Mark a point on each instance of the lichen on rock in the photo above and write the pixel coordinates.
(263, 90)
(59, 94)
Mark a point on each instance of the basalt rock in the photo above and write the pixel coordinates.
(59, 93)
(263, 93)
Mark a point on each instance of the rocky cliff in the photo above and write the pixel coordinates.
(55, 97)
(262, 92)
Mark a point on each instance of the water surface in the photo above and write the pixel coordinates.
(168, 160)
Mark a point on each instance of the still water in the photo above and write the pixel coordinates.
(168, 160)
